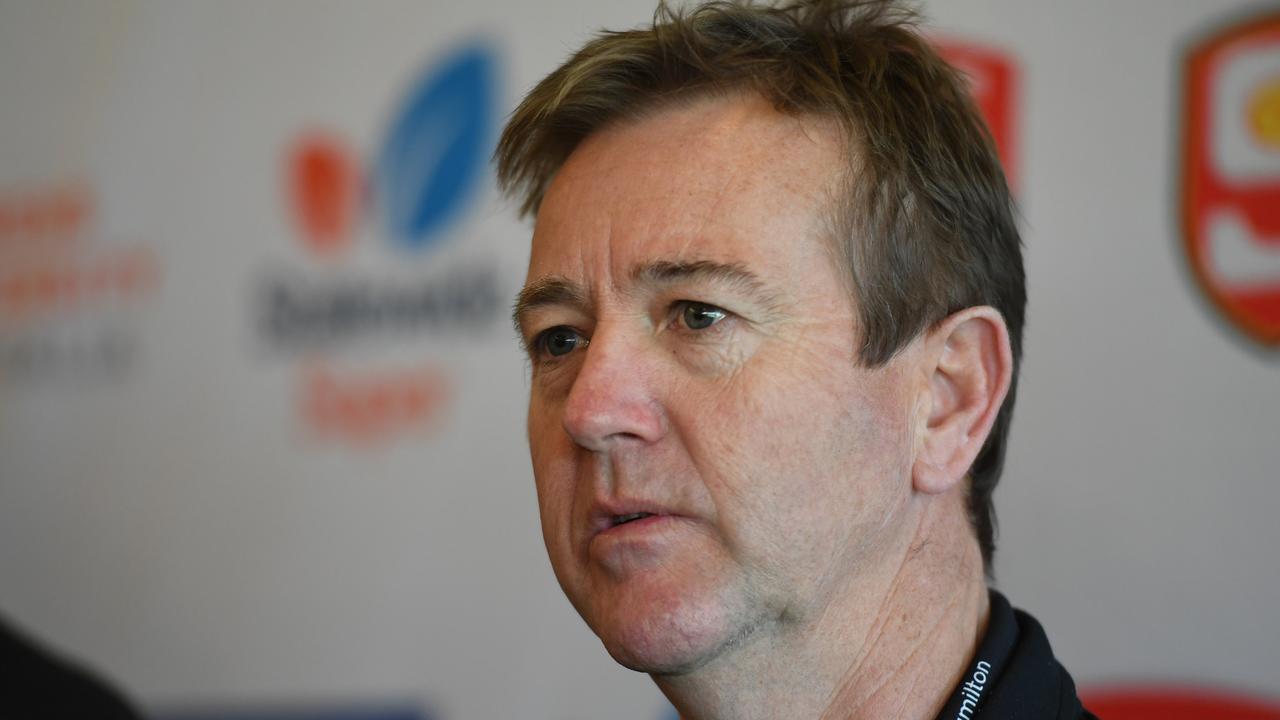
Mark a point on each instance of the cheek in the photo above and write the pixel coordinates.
(798, 450)
(552, 458)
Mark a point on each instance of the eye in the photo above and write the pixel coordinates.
(558, 341)
(700, 316)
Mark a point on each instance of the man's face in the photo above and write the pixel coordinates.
(712, 463)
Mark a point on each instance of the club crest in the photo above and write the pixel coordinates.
(1230, 185)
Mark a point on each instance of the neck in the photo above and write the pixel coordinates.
(892, 643)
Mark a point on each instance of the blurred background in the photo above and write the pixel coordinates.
(261, 409)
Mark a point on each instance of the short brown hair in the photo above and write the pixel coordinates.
(925, 219)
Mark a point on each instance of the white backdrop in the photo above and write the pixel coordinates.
(188, 504)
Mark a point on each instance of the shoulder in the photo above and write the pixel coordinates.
(1033, 684)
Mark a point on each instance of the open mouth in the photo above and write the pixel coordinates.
(617, 520)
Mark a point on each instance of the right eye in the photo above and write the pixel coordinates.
(558, 341)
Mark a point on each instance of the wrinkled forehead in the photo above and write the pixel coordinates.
(711, 178)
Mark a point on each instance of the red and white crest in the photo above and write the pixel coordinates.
(1231, 173)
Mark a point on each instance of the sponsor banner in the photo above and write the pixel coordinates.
(299, 712)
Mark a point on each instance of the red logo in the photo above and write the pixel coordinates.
(47, 264)
(993, 80)
(1231, 173)
(1156, 702)
(367, 409)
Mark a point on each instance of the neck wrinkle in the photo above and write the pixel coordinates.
(927, 628)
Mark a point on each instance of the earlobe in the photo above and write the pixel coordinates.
(969, 367)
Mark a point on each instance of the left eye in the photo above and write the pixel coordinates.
(699, 316)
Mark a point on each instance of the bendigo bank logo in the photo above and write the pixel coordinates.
(430, 163)
(1231, 173)
(419, 183)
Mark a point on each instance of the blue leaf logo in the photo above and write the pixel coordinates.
(438, 148)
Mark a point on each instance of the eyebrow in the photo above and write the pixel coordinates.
(547, 291)
(733, 275)
(557, 290)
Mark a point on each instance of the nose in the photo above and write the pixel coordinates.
(613, 398)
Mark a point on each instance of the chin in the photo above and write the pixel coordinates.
(668, 633)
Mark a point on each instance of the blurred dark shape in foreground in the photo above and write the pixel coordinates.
(37, 683)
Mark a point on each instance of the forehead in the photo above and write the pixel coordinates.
(725, 179)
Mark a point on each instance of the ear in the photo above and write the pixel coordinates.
(969, 364)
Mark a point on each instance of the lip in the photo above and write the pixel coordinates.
(635, 528)
(605, 512)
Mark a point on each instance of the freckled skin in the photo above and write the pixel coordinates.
(753, 430)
